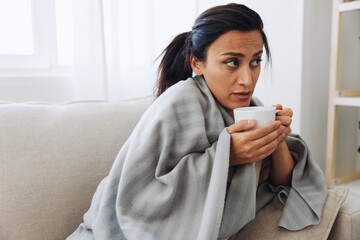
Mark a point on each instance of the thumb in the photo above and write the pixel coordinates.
(241, 125)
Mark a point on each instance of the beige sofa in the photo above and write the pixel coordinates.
(53, 156)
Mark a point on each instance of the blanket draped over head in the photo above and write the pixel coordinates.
(171, 179)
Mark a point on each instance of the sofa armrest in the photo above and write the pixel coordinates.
(347, 223)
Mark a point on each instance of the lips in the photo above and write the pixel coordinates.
(242, 95)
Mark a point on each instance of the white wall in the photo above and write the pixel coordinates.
(315, 79)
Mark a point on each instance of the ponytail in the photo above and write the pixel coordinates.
(175, 64)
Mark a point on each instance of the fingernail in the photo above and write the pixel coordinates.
(251, 122)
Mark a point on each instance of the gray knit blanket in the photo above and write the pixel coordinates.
(171, 179)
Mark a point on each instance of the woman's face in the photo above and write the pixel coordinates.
(232, 67)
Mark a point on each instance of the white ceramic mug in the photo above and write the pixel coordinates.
(262, 114)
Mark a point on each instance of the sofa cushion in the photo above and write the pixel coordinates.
(267, 220)
(52, 158)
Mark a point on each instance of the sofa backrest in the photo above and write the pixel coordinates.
(52, 158)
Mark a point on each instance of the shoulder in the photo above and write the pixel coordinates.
(181, 95)
(179, 105)
(183, 89)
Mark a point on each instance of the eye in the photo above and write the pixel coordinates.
(256, 62)
(233, 63)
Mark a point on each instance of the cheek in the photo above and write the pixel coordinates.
(214, 77)
(219, 82)
(255, 76)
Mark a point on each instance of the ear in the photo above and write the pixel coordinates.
(196, 65)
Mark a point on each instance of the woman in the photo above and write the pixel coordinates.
(188, 171)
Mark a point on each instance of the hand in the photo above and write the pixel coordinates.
(284, 115)
(250, 145)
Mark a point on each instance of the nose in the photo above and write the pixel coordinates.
(244, 76)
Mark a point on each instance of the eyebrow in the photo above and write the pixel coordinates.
(236, 54)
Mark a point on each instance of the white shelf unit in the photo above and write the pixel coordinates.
(348, 6)
(347, 101)
(337, 96)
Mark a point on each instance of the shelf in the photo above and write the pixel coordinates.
(346, 178)
(347, 101)
(349, 6)
(350, 93)
(339, 97)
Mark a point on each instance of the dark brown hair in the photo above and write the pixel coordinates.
(211, 24)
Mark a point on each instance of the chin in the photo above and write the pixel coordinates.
(242, 104)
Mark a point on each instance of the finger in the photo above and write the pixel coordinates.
(263, 131)
(272, 136)
(286, 133)
(266, 150)
(285, 112)
(240, 126)
(285, 120)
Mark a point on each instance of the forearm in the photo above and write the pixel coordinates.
(282, 165)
